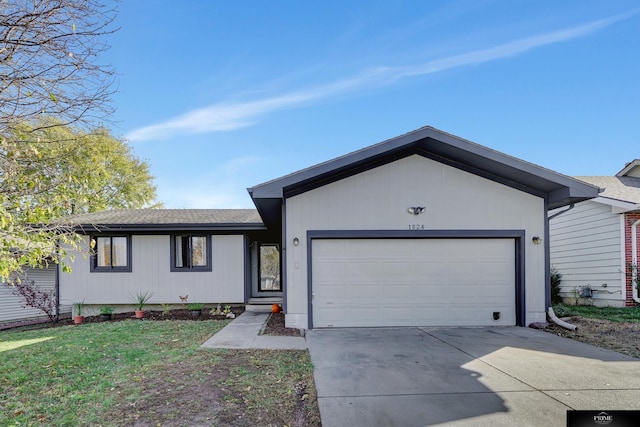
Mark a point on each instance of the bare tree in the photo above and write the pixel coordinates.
(49, 53)
(50, 78)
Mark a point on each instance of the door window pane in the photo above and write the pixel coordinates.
(269, 268)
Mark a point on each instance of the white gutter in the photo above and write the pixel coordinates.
(634, 260)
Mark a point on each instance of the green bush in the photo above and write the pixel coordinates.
(556, 279)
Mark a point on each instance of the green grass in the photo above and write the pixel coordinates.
(66, 376)
(613, 314)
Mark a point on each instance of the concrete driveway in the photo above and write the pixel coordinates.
(464, 376)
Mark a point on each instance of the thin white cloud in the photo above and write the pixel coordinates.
(229, 116)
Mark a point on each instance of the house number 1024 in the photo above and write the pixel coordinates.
(416, 226)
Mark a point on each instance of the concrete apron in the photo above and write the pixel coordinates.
(464, 377)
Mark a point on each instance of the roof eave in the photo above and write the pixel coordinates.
(168, 228)
(560, 190)
(620, 206)
(629, 167)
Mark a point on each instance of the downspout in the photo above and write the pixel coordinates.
(559, 322)
(571, 206)
(550, 312)
(634, 260)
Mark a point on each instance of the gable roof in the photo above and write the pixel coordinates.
(622, 188)
(168, 220)
(558, 189)
(631, 169)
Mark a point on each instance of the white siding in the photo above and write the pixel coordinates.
(11, 310)
(379, 198)
(151, 272)
(586, 249)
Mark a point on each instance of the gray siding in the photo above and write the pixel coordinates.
(378, 200)
(11, 310)
(151, 272)
(586, 248)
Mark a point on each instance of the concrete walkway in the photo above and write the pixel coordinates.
(243, 333)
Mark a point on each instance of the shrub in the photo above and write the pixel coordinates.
(556, 279)
(35, 297)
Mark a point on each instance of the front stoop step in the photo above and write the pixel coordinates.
(262, 305)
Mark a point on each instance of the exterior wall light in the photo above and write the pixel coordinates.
(536, 240)
(296, 241)
(416, 210)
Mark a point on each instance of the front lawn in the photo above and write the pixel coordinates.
(615, 328)
(613, 314)
(136, 372)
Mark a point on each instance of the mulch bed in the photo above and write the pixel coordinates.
(275, 326)
(174, 314)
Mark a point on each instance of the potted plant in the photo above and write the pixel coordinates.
(106, 313)
(78, 316)
(196, 308)
(140, 299)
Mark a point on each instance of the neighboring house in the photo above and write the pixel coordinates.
(12, 310)
(422, 229)
(593, 243)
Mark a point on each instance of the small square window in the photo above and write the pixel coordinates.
(111, 253)
(190, 253)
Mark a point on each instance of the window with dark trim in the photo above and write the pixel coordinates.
(190, 252)
(111, 254)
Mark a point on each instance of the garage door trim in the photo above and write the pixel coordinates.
(517, 235)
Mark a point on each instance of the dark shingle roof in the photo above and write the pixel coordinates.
(178, 219)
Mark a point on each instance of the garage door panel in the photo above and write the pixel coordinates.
(462, 271)
(392, 271)
(413, 282)
(330, 270)
(410, 316)
(463, 292)
(397, 292)
(363, 292)
(427, 293)
(360, 270)
(431, 270)
(330, 292)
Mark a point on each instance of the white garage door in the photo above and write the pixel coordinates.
(413, 282)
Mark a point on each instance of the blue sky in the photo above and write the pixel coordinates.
(219, 96)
